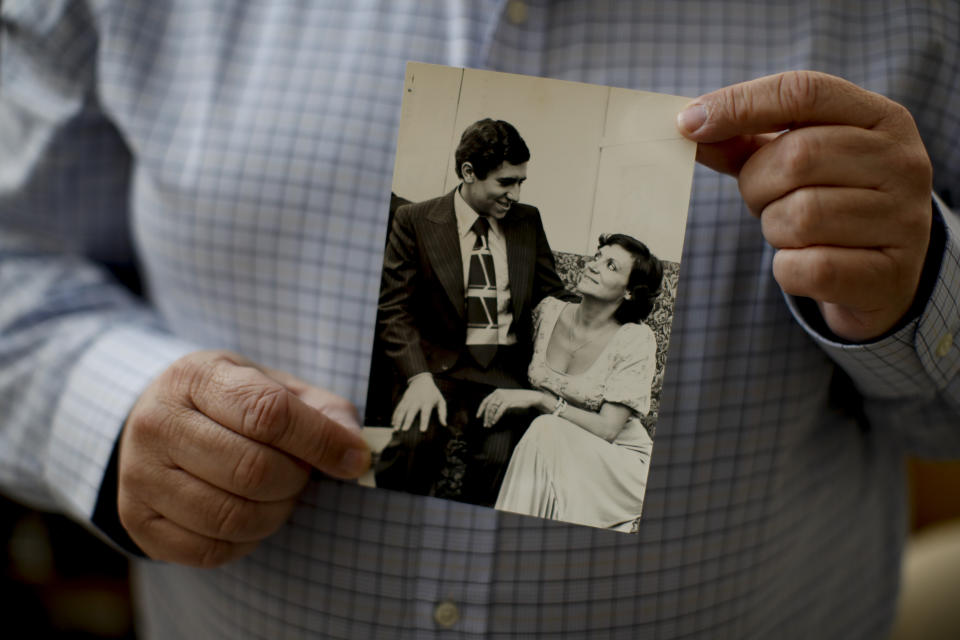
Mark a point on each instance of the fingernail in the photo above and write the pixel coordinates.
(692, 118)
(355, 461)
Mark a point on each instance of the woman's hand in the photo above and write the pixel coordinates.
(500, 401)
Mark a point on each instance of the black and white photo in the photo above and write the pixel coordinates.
(529, 277)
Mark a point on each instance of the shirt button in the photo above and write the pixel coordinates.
(446, 614)
(943, 347)
(516, 12)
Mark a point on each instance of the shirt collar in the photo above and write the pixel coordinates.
(466, 216)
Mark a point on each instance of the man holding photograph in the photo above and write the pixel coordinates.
(462, 273)
(238, 155)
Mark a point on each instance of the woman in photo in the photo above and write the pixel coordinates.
(585, 460)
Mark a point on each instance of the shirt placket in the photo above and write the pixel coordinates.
(457, 558)
(455, 569)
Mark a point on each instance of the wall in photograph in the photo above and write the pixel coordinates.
(599, 159)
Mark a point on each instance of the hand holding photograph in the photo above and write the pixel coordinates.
(520, 342)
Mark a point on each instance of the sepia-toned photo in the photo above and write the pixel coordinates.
(529, 278)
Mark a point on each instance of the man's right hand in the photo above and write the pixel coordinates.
(421, 397)
(216, 451)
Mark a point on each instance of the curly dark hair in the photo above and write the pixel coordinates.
(487, 144)
(643, 285)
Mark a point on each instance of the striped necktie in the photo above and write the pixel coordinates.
(481, 298)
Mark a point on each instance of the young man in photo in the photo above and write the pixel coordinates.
(462, 273)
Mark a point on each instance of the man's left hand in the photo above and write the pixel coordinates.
(841, 182)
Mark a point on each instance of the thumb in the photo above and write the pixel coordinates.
(783, 101)
(731, 123)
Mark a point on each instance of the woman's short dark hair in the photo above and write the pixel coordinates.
(643, 285)
(487, 144)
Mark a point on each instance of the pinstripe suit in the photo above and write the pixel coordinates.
(422, 325)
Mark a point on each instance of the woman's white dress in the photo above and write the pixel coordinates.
(562, 471)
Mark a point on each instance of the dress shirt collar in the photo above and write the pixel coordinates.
(466, 216)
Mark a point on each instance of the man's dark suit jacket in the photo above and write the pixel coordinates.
(422, 315)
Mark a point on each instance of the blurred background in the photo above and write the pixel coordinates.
(59, 581)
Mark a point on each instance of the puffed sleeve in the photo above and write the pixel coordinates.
(538, 314)
(634, 364)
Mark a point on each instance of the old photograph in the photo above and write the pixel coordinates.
(529, 277)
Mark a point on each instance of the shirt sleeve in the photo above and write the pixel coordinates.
(76, 347)
(909, 379)
(634, 363)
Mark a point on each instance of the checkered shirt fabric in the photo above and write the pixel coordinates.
(240, 153)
